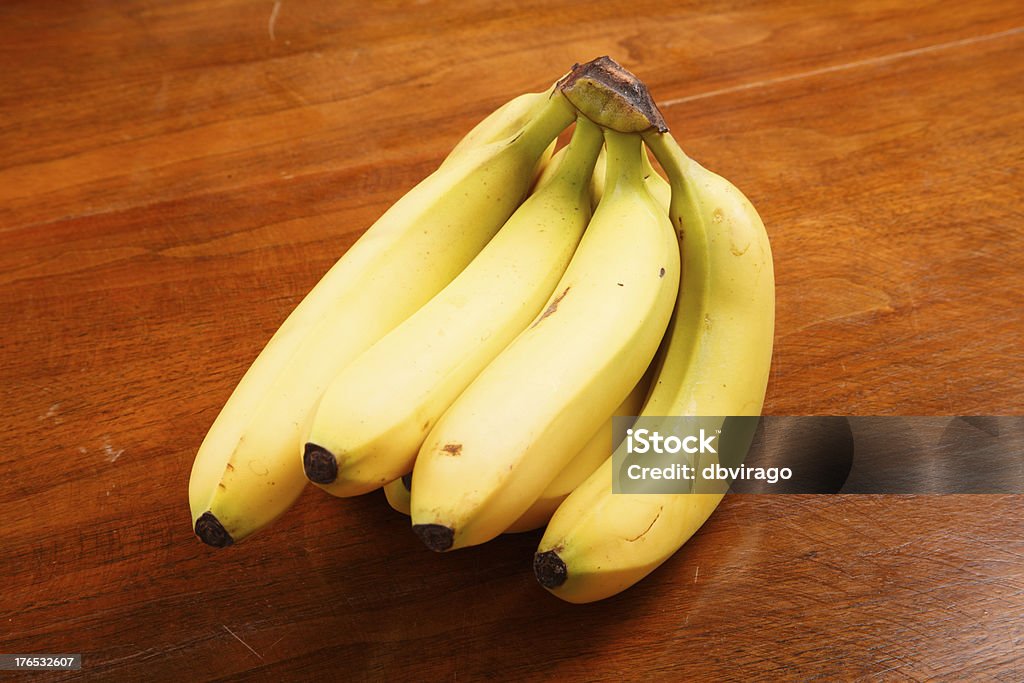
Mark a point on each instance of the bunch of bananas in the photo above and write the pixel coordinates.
(468, 353)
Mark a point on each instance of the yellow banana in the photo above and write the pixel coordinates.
(594, 453)
(534, 407)
(375, 414)
(716, 363)
(248, 470)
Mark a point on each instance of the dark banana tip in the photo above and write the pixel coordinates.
(549, 569)
(407, 482)
(320, 464)
(211, 532)
(435, 536)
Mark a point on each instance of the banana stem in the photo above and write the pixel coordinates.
(625, 165)
(668, 153)
(684, 206)
(551, 119)
(581, 153)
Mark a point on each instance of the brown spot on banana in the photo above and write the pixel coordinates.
(453, 449)
(552, 307)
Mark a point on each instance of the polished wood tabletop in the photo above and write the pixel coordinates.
(175, 176)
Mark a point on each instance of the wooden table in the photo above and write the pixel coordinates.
(176, 176)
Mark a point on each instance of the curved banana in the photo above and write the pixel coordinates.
(592, 456)
(248, 471)
(594, 453)
(375, 414)
(534, 407)
(716, 364)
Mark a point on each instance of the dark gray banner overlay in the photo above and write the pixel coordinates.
(819, 454)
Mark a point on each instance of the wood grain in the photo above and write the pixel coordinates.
(176, 176)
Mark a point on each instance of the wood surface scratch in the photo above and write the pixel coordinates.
(247, 646)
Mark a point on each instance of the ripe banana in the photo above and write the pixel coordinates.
(534, 407)
(593, 454)
(248, 469)
(716, 363)
(375, 414)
